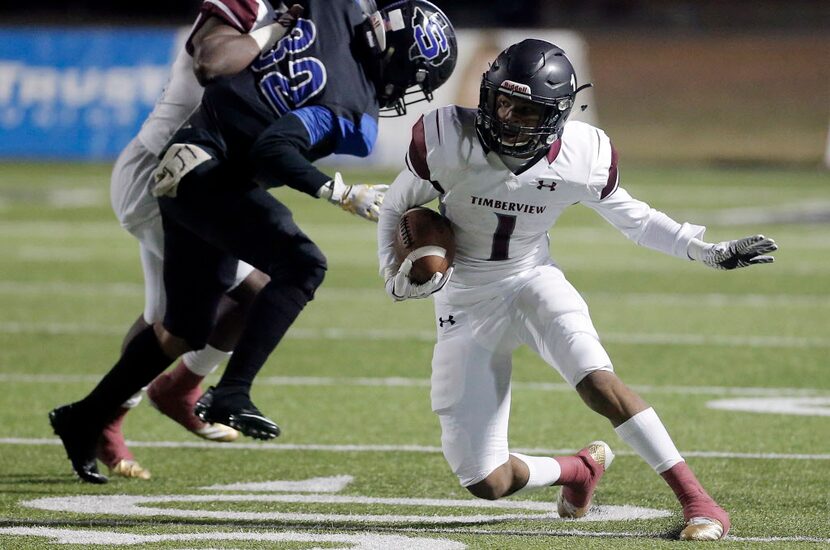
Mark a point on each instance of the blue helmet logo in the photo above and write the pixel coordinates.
(431, 41)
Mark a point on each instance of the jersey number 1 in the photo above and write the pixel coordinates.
(501, 238)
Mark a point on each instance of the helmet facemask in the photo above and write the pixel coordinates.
(534, 77)
(399, 90)
(510, 138)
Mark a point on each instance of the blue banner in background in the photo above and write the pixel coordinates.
(78, 94)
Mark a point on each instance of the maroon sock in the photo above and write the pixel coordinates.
(574, 470)
(687, 488)
(182, 379)
(694, 499)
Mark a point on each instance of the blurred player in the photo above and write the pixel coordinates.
(317, 77)
(173, 393)
(504, 173)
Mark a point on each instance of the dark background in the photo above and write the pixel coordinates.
(579, 14)
(718, 81)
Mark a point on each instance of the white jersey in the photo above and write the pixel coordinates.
(501, 220)
(131, 198)
(179, 99)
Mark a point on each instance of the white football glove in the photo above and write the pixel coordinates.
(733, 254)
(361, 200)
(399, 287)
(179, 159)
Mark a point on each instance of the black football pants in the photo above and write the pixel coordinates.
(211, 222)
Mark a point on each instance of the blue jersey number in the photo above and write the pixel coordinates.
(289, 82)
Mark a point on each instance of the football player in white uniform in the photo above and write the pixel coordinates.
(503, 174)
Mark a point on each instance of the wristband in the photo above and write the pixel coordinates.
(265, 37)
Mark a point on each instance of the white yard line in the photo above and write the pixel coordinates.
(668, 299)
(64, 288)
(61, 230)
(374, 537)
(621, 338)
(395, 448)
(593, 534)
(395, 381)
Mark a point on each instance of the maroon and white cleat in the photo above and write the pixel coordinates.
(705, 520)
(112, 450)
(175, 393)
(575, 498)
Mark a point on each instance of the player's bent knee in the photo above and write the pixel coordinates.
(245, 292)
(479, 473)
(172, 345)
(607, 395)
(598, 385)
(306, 272)
(496, 485)
(308, 279)
(485, 490)
(315, 276)
(573, 347)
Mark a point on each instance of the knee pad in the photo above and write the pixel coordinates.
(467, 468)
(575, 346)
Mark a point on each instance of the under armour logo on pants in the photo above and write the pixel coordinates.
(449, 320)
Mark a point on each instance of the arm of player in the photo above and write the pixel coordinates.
(654, 229)
(219, 49)
(733, 254)
(646, 226)
(283, 154)
(405, 192)
(360, 200)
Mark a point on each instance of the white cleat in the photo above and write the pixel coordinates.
(217, 432)
(702, 529)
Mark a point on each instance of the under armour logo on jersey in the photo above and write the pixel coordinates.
(541, 184)
(449, 320)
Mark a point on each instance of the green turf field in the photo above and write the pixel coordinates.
(349, 386)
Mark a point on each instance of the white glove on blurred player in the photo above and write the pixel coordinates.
(733, 254)
(361, 200)
(177, 162)
(399, 287)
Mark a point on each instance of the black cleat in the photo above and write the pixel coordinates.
(234, 408)
(79, 444)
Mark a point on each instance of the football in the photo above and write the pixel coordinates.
(421, 227)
